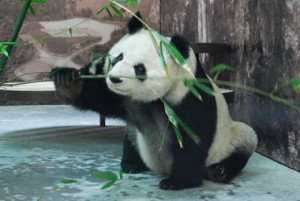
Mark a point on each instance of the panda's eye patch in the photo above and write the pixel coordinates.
(140, 71)
(117, 59)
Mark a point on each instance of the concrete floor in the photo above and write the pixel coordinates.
(40, 145)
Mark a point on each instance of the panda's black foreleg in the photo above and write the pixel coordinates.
(87, 94)
(131, 160)
(186, 170)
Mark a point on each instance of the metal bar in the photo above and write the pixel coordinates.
(35, 96)
(102, 121)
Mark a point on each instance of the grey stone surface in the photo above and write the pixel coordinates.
(40, 145)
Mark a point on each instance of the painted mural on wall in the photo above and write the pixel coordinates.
(267, 34)
(59, 48)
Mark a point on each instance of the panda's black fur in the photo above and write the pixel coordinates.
(185, 167)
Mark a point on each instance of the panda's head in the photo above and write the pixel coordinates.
(136, 70)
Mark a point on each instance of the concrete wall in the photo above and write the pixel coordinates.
(267, 34)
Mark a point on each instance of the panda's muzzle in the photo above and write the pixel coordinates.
(115, 80)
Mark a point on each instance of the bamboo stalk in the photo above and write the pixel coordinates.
(16, 32)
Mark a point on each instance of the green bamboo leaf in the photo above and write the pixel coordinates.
(131, 3)
(8, 43)
(123, 2)
(70, 31)
(108, 12)
(121, 174)
(67, 181)
(105, 175)
(295, 84)
(189, 84)
(162, 58)
(171, 114)
(117, 11)
(176, 55)
(109, 62)
(190, 132)
(31, 10)
(221, 67)
(164, 136)
(102, 9)
(108, 185)
(39, 1)
(203, 87)
(3, 51)
(178, 136)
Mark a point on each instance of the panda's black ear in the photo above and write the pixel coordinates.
(182, 45)
(134, 25)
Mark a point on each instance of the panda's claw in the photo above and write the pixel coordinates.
(222, 170)
(64, 76)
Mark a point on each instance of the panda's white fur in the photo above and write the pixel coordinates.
(230, 134)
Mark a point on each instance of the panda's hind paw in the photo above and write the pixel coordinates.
(218, 173)
(172, 184)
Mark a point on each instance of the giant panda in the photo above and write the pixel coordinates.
(225, 145)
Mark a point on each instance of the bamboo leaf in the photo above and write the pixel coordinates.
(3, 51)
(31, 10)
(221, 67)
(117, 11)
(178, 136)
(109, 62)
(108, 185)
(190, 132)
(102, 9)
(39, 1)
(108, 12)
(170, 113)
(176, 55)
(131, 3)
(296, 84)
(70, 31)
(203, 87)
(68, 181)
(121, 174)
(105, 175)
(162, 58)
(188, 84)
(164, 136)
(8, 43)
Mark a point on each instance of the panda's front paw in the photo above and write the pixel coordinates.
(173, 184)
(133, 168)
(64, 76)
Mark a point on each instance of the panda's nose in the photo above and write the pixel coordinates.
(115, 80)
